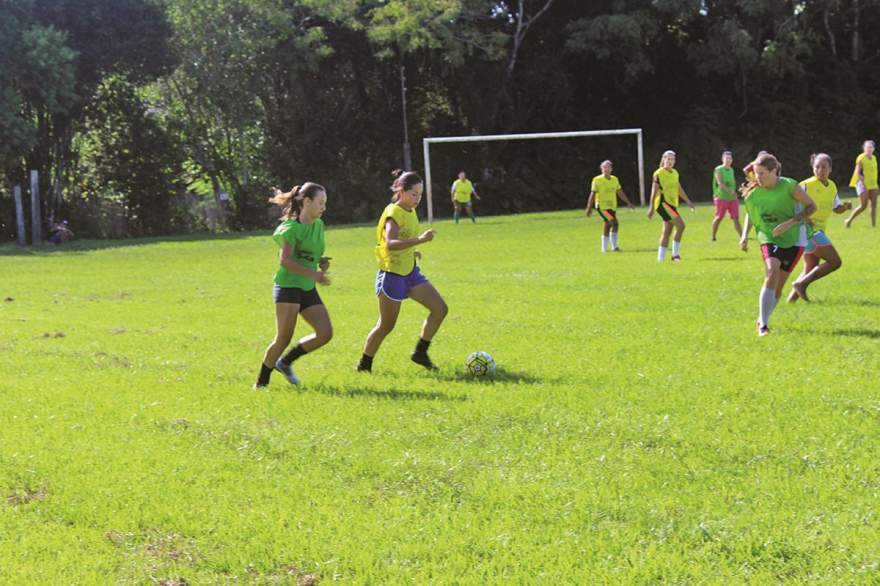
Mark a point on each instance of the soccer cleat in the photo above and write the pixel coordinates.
(615, 249)
(676, 258)
(287, 371)
(421, 358)
(364, 368)
(762, 329)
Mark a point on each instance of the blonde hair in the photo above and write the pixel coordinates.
(767, 161)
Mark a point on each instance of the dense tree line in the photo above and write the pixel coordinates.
(139, 114)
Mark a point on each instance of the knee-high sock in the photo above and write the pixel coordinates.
(614, 240)
(766, 305)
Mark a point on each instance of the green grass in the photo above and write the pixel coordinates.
(639, 431)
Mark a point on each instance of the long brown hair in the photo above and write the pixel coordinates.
(291, 201)
(403, 181)
(767, 161)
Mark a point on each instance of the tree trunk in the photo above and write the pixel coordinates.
(855, 34)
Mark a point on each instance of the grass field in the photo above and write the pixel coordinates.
(638, 430)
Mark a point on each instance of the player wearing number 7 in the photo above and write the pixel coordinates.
(604, 191)
(772, 206)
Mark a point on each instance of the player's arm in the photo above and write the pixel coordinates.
(474, 191)
(744, 238)
(808, 205)
(720, 183)
(860, 173)
(285, 258)
(392, 240)
(452, 191)
(590, 201)
(622, 195)
(684, 196)
(655, 193)
(841, 206)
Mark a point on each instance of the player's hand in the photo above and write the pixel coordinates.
(427, 236)
(650, 213)
(589, 212)
(324, 263)
(322, 278)
(693, 208)
(418, 255)
(744, 244)
(631, 206)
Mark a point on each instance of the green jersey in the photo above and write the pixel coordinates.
(307, 241)
(728, 179)
(768, 208)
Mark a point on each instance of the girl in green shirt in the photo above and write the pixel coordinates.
(300, 237)
(772, 206)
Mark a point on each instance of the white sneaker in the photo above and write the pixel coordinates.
(287, 371)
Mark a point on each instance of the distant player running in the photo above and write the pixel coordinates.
(772, 205)
(724, 194)
(823, 191)
(462, 190)
(665, 192)
(399, 277)
(864, 179)
(604, 191)
(301, 240)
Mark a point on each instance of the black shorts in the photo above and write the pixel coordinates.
(788, 257)
(608, 215)
(305, 299)
(667, 212)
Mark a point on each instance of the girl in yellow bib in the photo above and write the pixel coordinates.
(399, 277)
(604, 191)
(823, 191)
(461, 192)
(864, 179)
(665, 193)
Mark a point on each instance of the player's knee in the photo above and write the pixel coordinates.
(283, 340)
(442, 310)
(835, 263)
(325, 335)
(386, 326)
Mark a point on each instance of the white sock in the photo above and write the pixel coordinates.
(766, 305)
(614, 240)
(661, 253)
(676, 245)
(604, 243)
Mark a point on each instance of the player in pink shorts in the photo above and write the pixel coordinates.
(724, 194)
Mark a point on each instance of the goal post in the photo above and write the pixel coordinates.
(427, 142)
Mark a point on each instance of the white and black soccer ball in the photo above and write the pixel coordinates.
(480, 364)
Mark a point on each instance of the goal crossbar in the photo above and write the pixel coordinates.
(427, 142)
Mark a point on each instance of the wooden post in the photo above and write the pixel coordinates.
(36, 217)
(20, 234)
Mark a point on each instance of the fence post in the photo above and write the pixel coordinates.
(20, 234)
(36, 217)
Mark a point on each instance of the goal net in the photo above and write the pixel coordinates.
(427, 142)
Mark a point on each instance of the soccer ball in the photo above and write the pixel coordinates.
(480, 364)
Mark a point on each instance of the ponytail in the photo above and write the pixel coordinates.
(403, 181)
(292, 201)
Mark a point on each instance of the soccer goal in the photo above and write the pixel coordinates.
(427, 142)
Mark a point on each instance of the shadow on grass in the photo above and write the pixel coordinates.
(390, 394)
(502, 376)
(726, 258)
(857, 333)
(81, 246)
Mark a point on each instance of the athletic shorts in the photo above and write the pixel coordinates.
(466, 204)
(667, 212)
(818, 240)
(608, 215)
(730, 207)
(788, 257)
(397, 287)
(305, 299)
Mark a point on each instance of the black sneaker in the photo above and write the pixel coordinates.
(421, 358)
(361, 367)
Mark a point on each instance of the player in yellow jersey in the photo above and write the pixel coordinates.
(399, 277)
(665, 192)
(604, 191)
(461, 192)
(864, 179)
(823, 191)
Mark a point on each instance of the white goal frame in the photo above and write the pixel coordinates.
(427, 142)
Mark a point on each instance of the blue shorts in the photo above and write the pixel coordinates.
(818, 240)
(397, 287)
